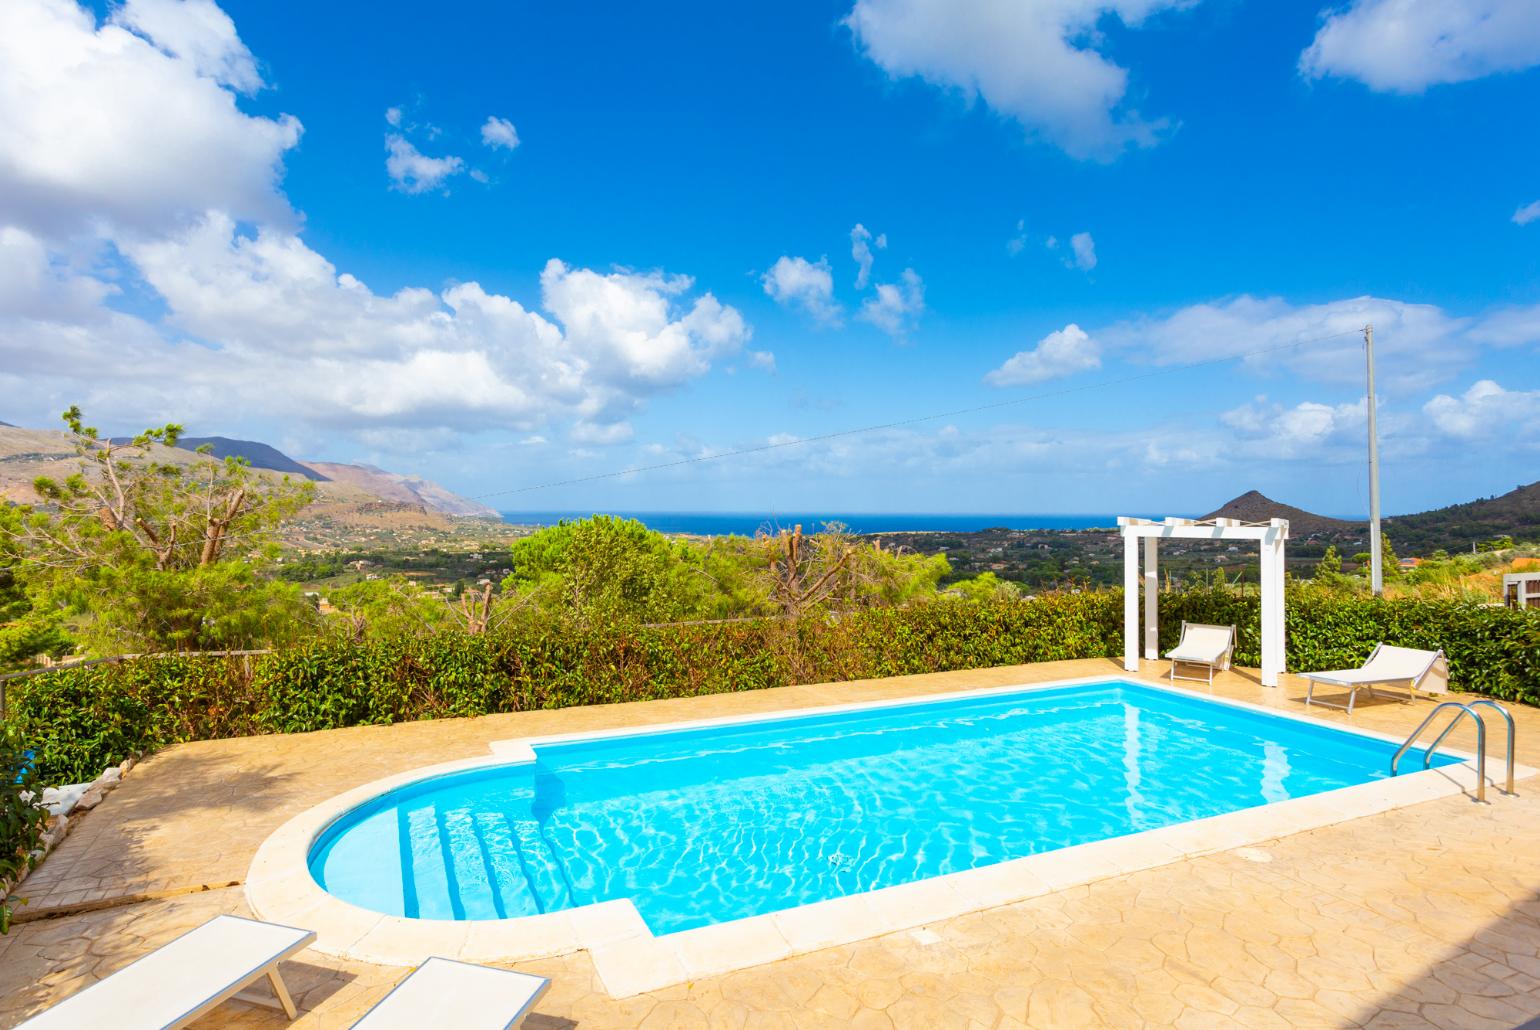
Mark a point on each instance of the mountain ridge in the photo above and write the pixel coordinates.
(26, 454)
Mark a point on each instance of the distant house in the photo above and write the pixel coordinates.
(1409, 563)
(1521, 589)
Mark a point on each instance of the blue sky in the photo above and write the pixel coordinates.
(519, 244)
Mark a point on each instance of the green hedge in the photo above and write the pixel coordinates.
(1491, 650)
(22, 818)
(81, 720)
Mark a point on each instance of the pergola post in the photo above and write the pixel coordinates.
(1151, 598)
(1273, 649)
(1269, 619)
(1270, 537)
(1130, 602)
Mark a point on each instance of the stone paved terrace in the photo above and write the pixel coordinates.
(1422, 916)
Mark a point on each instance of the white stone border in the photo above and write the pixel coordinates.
(630, 960)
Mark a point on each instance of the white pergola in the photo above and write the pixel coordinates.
(1270, 536)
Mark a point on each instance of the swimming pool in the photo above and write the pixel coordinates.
(701, 826)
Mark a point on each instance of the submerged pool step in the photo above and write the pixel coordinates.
(480, 865)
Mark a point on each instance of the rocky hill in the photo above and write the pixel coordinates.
(393, 486)
(1253, 506)
(260, 455)
(354, 503)
(1452, 528)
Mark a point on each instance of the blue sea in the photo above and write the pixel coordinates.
(744, 523)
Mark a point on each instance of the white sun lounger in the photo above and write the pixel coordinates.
(1201, 644)
(442, 992)
(176, 984)
(1406, 667)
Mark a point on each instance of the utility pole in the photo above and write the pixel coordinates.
(1376, 558)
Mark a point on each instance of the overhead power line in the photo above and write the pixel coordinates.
(916, 420)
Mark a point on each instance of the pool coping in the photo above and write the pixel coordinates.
(630, 960)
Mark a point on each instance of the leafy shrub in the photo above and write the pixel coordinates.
(1491, 650)
(81, 720)
(22, 818)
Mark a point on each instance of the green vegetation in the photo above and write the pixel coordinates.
(82, 719)
(22, 819)
(146, 554)
(138, 553)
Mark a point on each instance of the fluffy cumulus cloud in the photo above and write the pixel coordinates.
(412, 171)
(1405, 46)
(1061, 353)
(808, 285)
(198, 32)
(1038, 63)
(1309, 429)
(894, 307)
(861, 244)
(499, 133)
(126, 167)
(1487, 411)
(110, 123)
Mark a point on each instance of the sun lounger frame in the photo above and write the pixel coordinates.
(1343, 678)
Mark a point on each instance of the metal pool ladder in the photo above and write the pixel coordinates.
(1464, 709)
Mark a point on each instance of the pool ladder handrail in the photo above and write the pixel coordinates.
(1465, 708)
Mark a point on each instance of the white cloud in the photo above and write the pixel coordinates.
(861, 244)
(809, 285)
(1417, 344)
(127, 168)
(627, 326)
(603, 435)
(499, 133)
(1038, 62)
(896, 305)
(34, 286)
(1526, 214)
(762, 359)
(1405, 46)
(1507, 327)
(1084, 249)
(1487, 411)
(393, 117)
(100, 124)
(412, 171)
(1309, 429)
(293, 337)
(1061, 353)
(198, 32)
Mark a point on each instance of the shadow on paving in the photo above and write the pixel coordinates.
(1490, 981)
(143, 840)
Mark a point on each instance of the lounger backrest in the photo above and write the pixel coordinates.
(1392, 663)
(1198, 638)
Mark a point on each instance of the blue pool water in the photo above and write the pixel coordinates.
(707, 825)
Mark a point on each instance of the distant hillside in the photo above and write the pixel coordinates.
(349, 496)
(260, 455)
(1455, 528)
(7, 425)
(1253, 506)
(392, 486)
(1515, 513)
